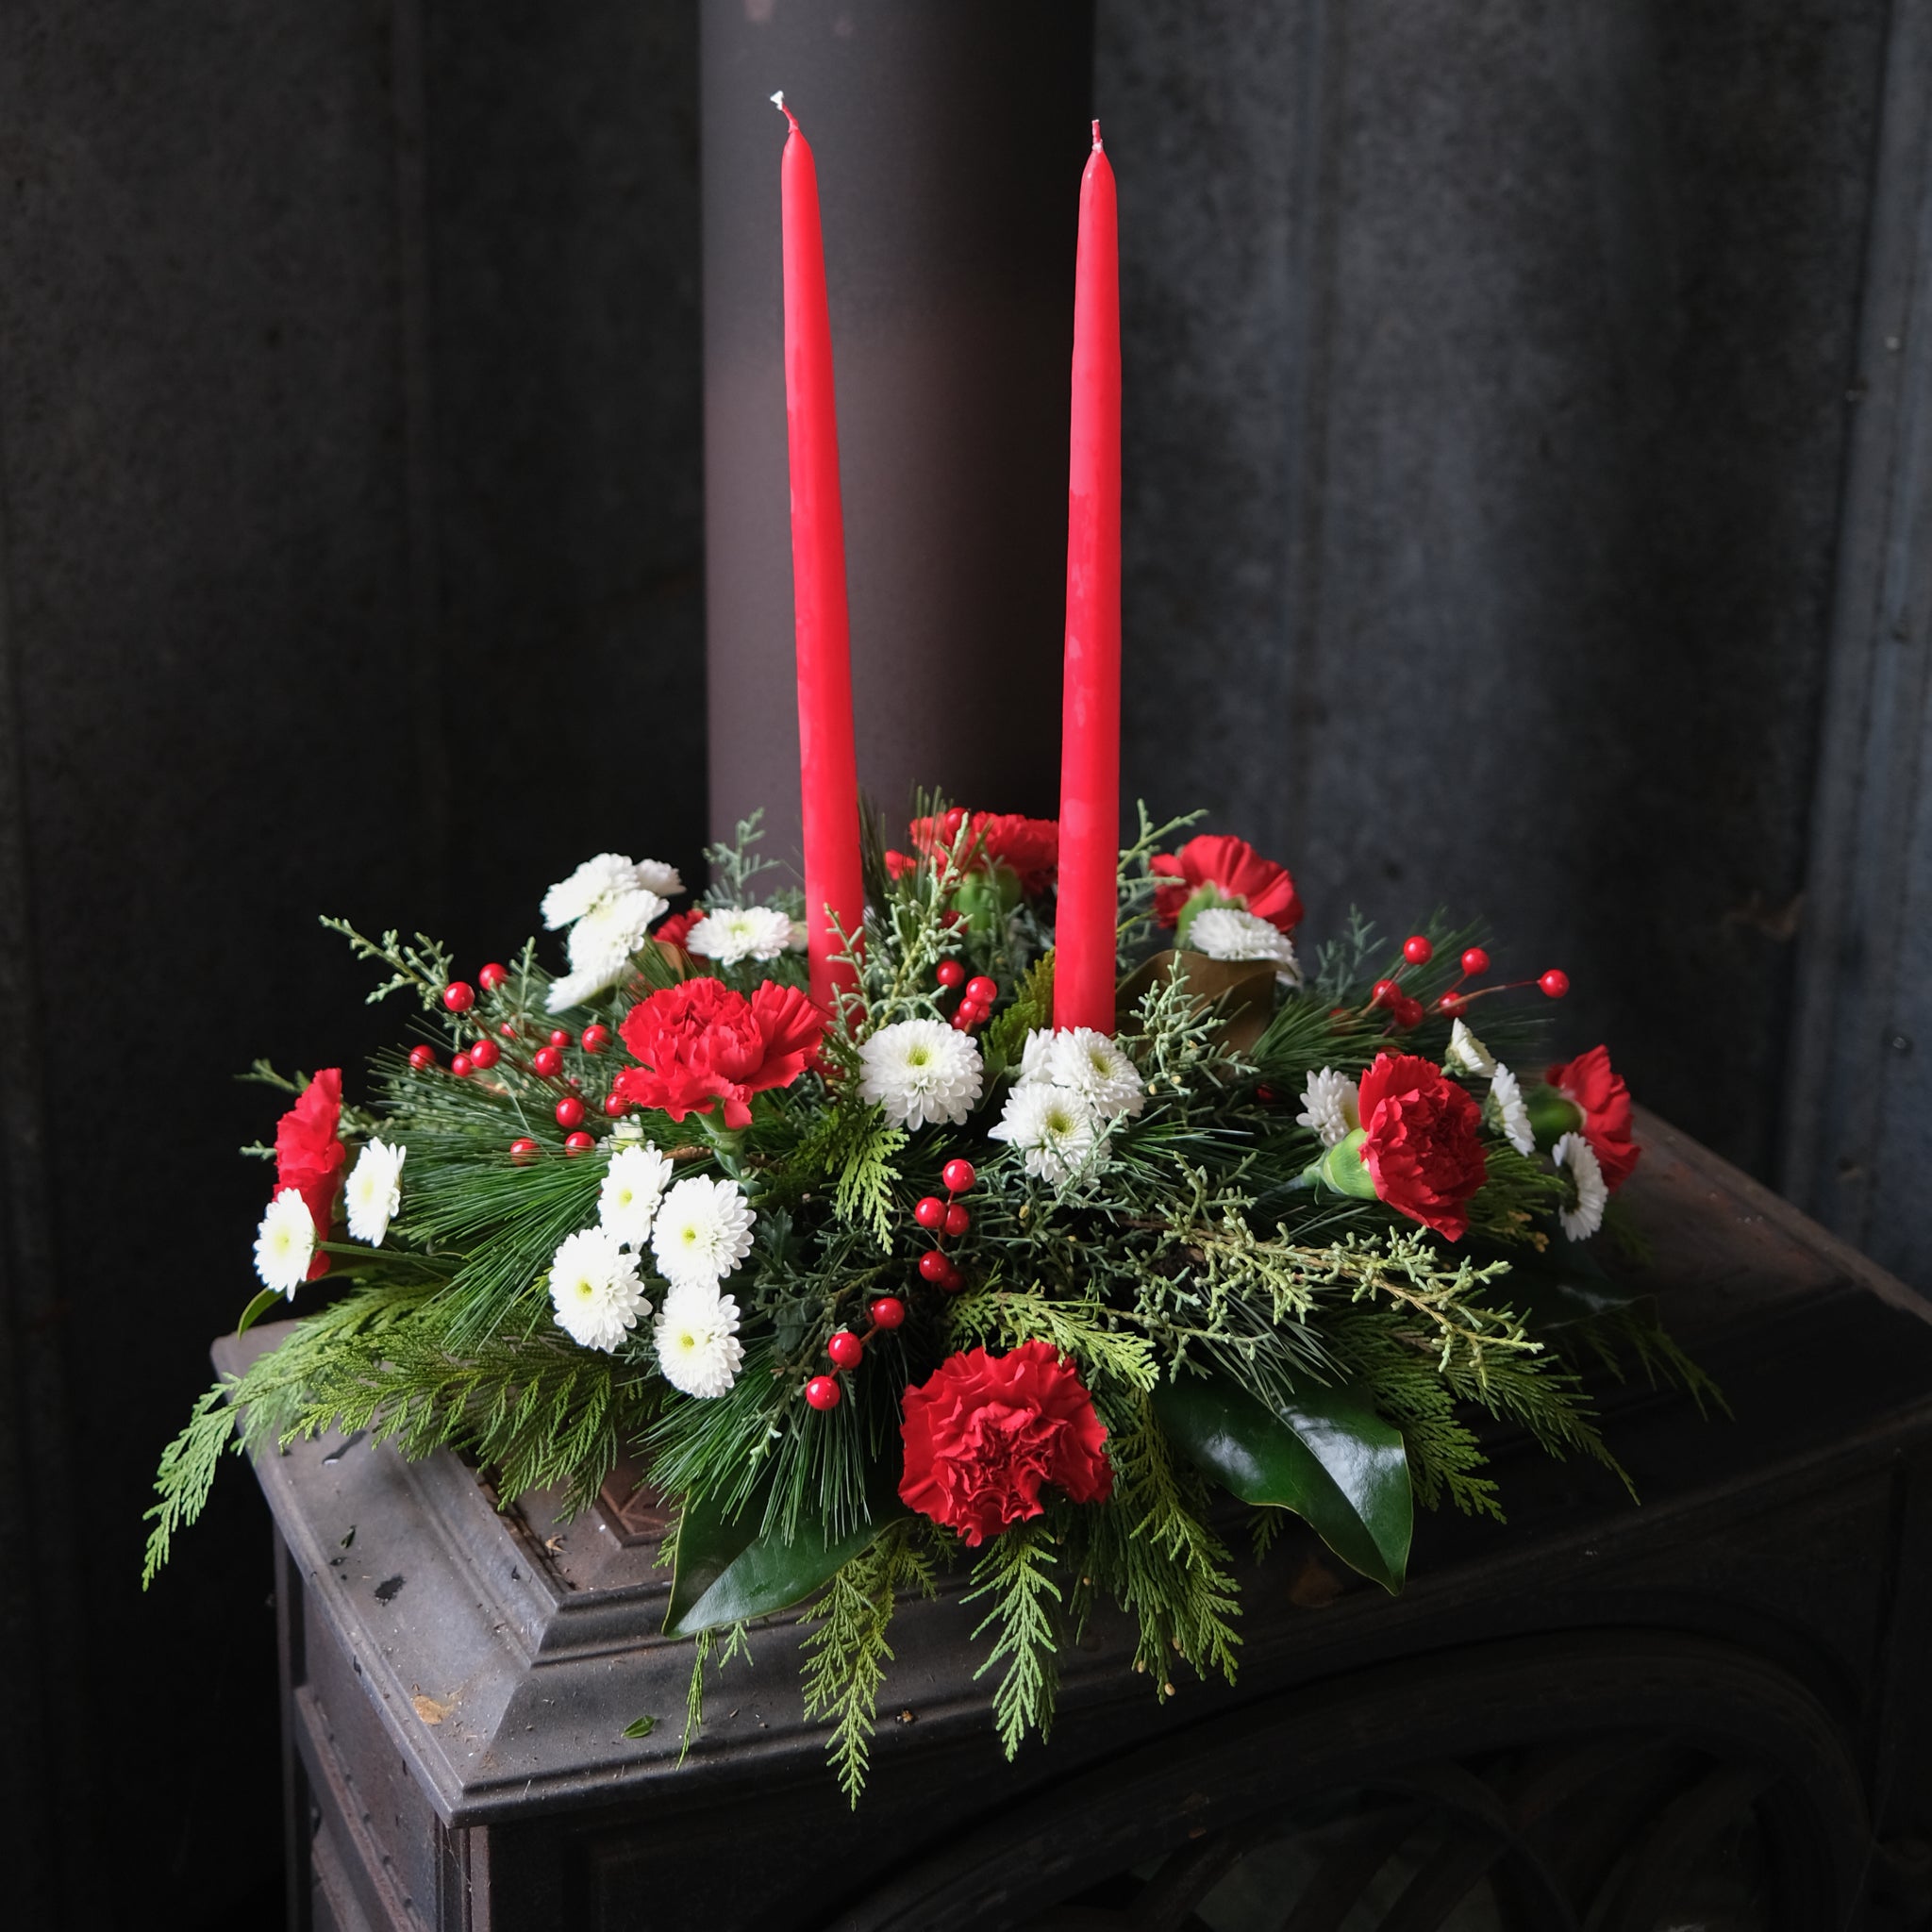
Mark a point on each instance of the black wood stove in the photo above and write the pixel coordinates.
(1713, 1710)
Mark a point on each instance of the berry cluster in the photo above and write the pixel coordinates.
(1406, 1012)
(545, 1064)
(977, 995)
(940, 1218)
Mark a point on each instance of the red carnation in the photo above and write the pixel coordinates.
(699, 1043)
(1422, 1147)
(983, 1432)
(1028, 847)
(672, 932)
(309, 1158)
(1236, 871)
(1600, 1091)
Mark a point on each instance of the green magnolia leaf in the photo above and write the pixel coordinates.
(1325, 1453)
(257, 1309)
(727, 1572)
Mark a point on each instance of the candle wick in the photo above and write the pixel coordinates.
(1096, 137)
(778, 102)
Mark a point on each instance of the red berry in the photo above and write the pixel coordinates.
(845, 1348)
(982, 990)
(596, 1039)
(1405, 1011)
(580, 1143)
(950, 972)
(1418, 949)
(460, 996)
(933, 1266)
(614, 1104)
(1476, 960)
(1452, 1003)
(973, 1011)
(958, 1221)
(952, 1280)
(570, 1111)
(1340, 1014)
(931, 1212)
(547, 1061)
(507, 1030)
(523, 1152)
(460, 1064)
(1266, 1095)
(958, 1176)
(889, 1311)
(1386, 994)
(1556, 982)
(822, 1392)
(493, 976)
(560, 1036)
(421, 1057)
(485, 1054)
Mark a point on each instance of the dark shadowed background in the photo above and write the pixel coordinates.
(1526, 511)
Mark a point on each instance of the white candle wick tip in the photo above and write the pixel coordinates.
(778, 100)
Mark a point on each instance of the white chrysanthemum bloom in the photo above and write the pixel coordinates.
(1226, 932)
(696, 1332)
(595, 880)
(1035, 1056)
(605, 936)
(628, 1198)
(920, 1070)
(1087, 1060)
(1466, 1053)
(595, 1287)
(600, 946)
(1582, 1221)
(654, 876)
(702, 1231)
(285, 1244)
(374, 1190)
(573, 989)
(1507, 1109)
(1055, 1127)
(1330, 1105)
(736, 933)
(800, 941)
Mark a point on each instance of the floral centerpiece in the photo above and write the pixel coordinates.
(915, 1279)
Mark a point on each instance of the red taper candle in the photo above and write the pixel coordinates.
(1090, 709)
(829, 771)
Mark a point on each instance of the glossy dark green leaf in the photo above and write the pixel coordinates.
(726, 1572)
(640, 1727)
(257, 1309)
(1324, 1453)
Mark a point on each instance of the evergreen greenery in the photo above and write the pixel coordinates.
(1194, 1244)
